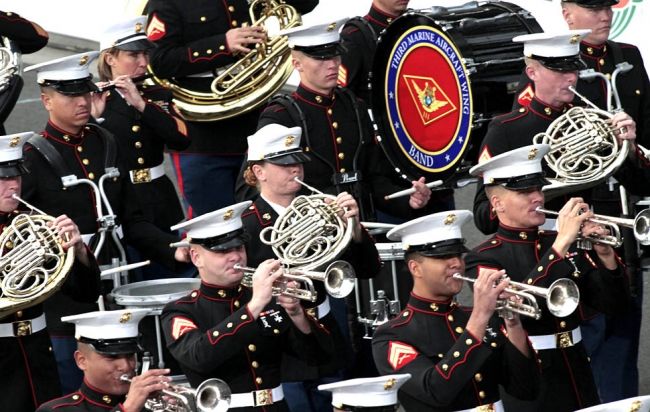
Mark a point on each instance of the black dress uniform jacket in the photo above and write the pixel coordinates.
(450, 368)
(363, 257)
(84, 155)
(359, 36)
(191, 39)
(212, 334)
(86, 399)
(142, 138)
(517, 129)
(29, 375)
(527, 257)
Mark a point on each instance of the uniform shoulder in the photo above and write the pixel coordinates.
(512, 116)
(491, 243)
(72, 399)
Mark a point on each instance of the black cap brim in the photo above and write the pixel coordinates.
(522, 182)
(562, 64)
(13, 169)
(590, 4)
(137, 45)
(114, 346)
(72, 87)
(224, 242)
(437, 249)
(323, 51)
(290, 158)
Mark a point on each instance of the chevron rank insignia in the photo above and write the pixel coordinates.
(181, 326)
(400, 354)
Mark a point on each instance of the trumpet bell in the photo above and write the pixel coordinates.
(340, 279)
(642, 227)
(213, 395)
(563, 297)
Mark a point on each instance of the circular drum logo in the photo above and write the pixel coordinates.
(428, 101)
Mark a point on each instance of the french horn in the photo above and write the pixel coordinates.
(249, 82)
(33, 264)
(11, 82)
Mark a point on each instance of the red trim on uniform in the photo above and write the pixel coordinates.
(71, 403)
(191, 58)
(253, 209)
(464, 360)
(512, 119)
(573, 381)
(222, 335)
(176, 161)
(547, 267)
(27, 369)
(489, 245)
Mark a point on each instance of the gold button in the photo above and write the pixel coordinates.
(441, 355)
(244, 317)
(339, 140)
(389, 20)
(450, 318)
(222, 47)
(252, 348)
(258, 380)
(563, 324)
(215, 333)
(318, 99)
(195, 54)
(481, 394)
(91, 175)
(494, 242)
(233, 23)
(307, 149)
(456, 354)
(231, 8)
(85, 161)
(209, 51)
(468, 342)
(540, 268)
(434, 307)
(236, 304)
(548, 111)
(49, 349)
(342, 170)
(80, 149)
(329, 111)
(194, 294)
(106, 399)
(478, 377)
(75, 397)
(138, 145)
(539, 247)
(276, 331)
(459, 329)
(203, 18)
(140, 161)
(521, 110)
(19, 314)
(551, 256)
(529, 281)
(601, 61)
(229, 325)
(405, 314)
(638, 92)
(523, 235)
(590, 50)
(341, 155)
(335, 125)
(135, 128)
(445, 366)
(493, 344)
(66, 137)
(255, 365)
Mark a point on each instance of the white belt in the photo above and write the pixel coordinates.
(321, 310)
(556, 340)
(22, 327)
(257, 398)
(148, 174)
(490, 407)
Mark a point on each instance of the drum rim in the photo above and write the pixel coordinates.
(153, 300)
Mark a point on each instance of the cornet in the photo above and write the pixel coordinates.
(212, 395)
(562, 298)
(339, 280)
(640, 225)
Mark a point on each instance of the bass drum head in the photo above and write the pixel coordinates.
(440, 73)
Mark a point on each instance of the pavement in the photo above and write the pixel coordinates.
(29, 114)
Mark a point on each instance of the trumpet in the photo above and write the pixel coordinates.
(339, 278)
(562, 298)
(212, 395)
(640, 226)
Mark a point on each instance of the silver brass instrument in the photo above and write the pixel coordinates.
(584, 148)
(250, 81)
(338, 278)
(562, 298)
(640, 226)
(212, 395)
(11, 82)
(33, 264)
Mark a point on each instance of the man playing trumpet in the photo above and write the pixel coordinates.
(232, 332)
(513, 183)
(457, 357)
(107, 343)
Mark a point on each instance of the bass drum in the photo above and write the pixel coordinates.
(440, 75)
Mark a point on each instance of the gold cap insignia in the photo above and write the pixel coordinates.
(331, 27)
(532, 154)
(83, 60)
(574, 39)
(125, 317)
(14, 141)
(288, 141)
(490, 180)
(266, 216)
(390, 384)
(138, 27)
(228, 215)
(450, 219)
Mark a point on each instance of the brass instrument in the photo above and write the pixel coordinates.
(584, 149)
(640, 226)
(562, 298)
(33, 264)
(338, 278)
(212, 395)
(310, 233)
(249, 82)
(11, 82)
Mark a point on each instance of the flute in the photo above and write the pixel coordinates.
(136, 79)
(409, 192)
